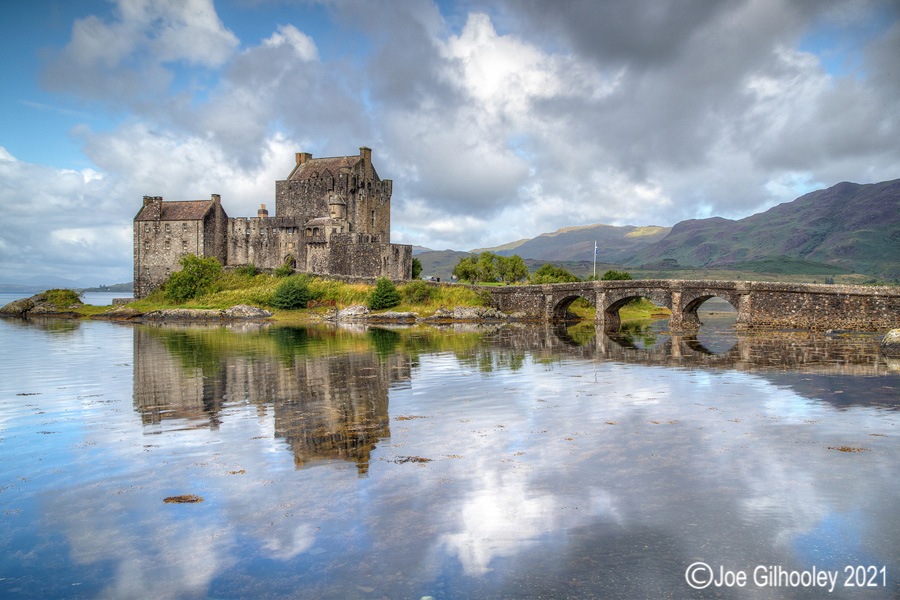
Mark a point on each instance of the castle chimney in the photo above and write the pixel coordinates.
(153, 207)
(262, 212)
(302, 157)
(366, 155)
(216, 198)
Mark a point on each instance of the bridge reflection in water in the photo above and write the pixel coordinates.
(328, 389)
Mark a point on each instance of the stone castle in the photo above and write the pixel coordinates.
(332, 217)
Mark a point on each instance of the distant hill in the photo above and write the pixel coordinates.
(116, 287)
(440, 263)
(614, 244)
(848, 227)
(420, 249)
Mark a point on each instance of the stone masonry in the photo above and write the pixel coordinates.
(759, 305)
(332, 217)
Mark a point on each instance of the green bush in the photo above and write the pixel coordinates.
(292, 293)
(247, 270)
(416, 268)
(385, 295)
(616, 276)
(549, 273)
(285, 270)
(62, 298)
(197, 276)
(416, 292)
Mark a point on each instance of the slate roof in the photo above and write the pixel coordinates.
(189, 210)
(317, 166)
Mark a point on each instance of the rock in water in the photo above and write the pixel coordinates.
(17, 308)
(245, 311)
(890, 345)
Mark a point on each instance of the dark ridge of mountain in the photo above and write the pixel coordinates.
(852, 227)
(614, 244)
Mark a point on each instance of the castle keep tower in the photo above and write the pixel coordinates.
(332, 217)
(306, 192)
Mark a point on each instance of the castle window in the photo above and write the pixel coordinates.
(184, 226)
(184, 244)
(167, 243)
(167, 228)
(147, 227)
(146, 245)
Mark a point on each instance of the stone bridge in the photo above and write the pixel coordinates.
(758, 304)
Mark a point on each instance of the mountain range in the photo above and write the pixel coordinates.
(847, 228)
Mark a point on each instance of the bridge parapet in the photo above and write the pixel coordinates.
(759, 304)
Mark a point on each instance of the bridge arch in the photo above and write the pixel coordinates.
(612, 300)
(561, 304)
(692, 300)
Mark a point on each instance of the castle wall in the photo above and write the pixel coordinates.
(360, 255)
(264, 241)
(159, 245)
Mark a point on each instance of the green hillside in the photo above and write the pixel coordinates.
(614, 244)
(849, 227)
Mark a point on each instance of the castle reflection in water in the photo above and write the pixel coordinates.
(329, 388)
(326, 405)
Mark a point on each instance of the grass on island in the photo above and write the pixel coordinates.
(257, 290)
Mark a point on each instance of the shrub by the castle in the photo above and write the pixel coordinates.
(285, 270)
(416, 268)
(247, 270)
(292, 293)
(385, 295)
(416, 292)
(197, 276)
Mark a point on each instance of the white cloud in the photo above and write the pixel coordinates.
(301, 43)
(524, 119)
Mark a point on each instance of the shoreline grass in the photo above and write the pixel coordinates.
(257, 290)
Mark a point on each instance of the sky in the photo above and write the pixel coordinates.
(495, 120)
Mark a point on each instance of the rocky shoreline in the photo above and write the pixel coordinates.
(37, 306)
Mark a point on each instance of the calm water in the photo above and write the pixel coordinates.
(521, 462)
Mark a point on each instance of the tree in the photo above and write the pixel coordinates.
(612, 275)
(487, 267)
(549, 273)
(511, 268)
(385, 295)
(467, 269)
(292, 293)
(197, 276)
(416, 268)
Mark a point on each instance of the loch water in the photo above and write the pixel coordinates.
(459, 462)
